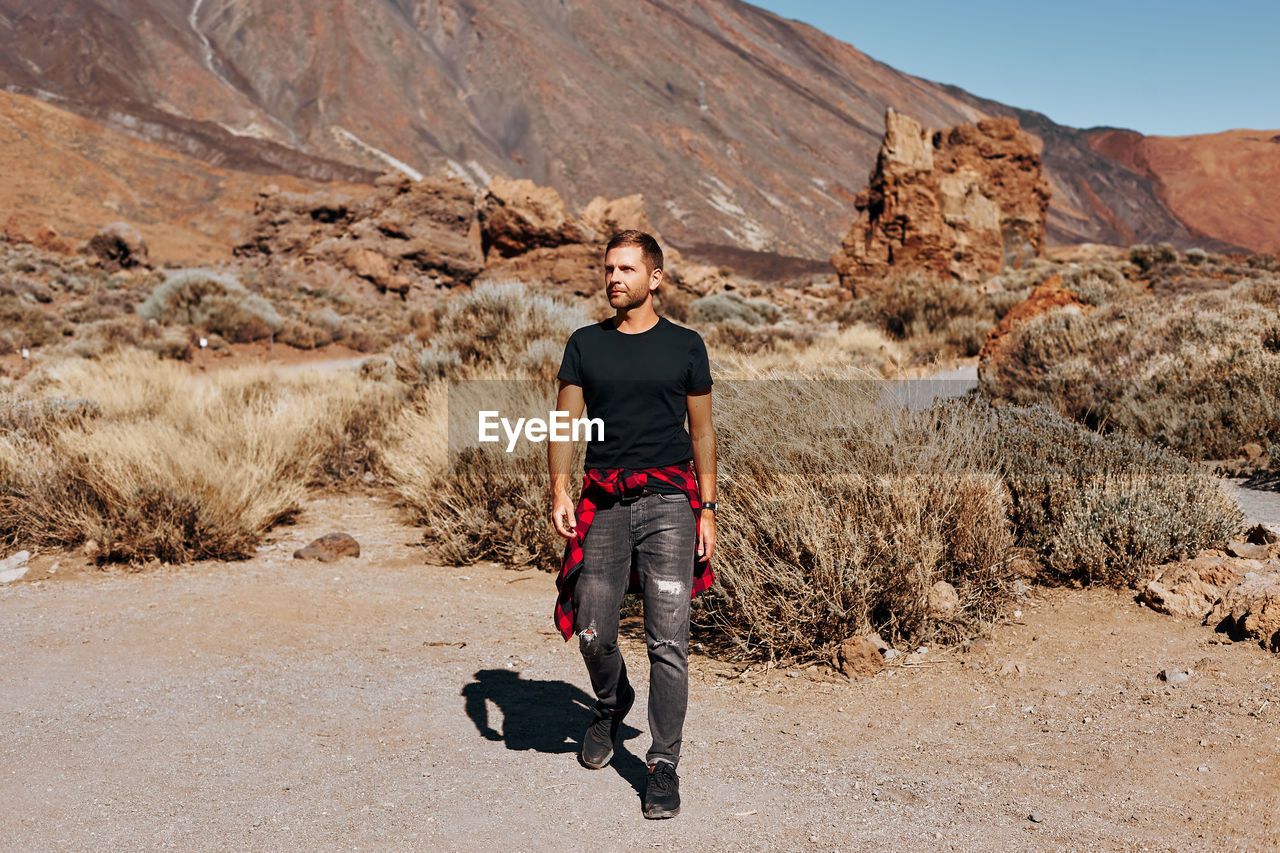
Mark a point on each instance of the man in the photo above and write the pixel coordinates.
(649, 513)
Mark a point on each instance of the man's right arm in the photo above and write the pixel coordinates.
(559, 458)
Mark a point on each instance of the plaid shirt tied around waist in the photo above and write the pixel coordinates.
(600, 486)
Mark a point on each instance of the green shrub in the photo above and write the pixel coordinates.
(213, 302)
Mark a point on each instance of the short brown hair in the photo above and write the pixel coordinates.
(649, 248)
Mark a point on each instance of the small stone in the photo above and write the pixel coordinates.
(890, 654)
(1174, 676)
(1020, 589)
(91, 549)
(1203, 768)
(14, 567)
(1012, 668)
(858, 656)
(1035, 817)
(329, 547)
(943, 601)
(875, 640)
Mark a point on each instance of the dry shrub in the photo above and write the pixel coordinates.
(214, 302)
(27, 325)
(859, 351)
(173, 466)
(732, 307)
(477, 502)
(497, 329)
(840, 513)
(935, 317)
(1097, 508)
(1198, 374)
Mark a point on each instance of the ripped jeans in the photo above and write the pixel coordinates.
(658, 532)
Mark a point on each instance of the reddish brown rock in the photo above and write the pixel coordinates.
(1250, 610)
(425, 232)
(329, 547)
(51, 241)
(1046, 296)
(13, 232)
(519, 216)
(369, 265)
(1190, 589)
(577, 269)
(858, 656)
(960, 203)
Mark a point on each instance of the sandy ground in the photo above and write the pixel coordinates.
(384, 703)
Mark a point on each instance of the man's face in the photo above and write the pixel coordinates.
(627, 280)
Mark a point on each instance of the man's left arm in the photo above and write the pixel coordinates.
(704, 460)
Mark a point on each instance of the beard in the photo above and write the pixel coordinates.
(631, 300)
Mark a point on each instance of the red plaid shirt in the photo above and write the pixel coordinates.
(617, 482)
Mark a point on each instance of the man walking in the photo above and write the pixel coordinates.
(646, 519)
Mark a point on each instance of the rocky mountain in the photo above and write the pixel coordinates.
(741, 129)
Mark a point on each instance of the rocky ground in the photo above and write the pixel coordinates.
(381, 702)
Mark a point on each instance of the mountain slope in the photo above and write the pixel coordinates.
(739, 127)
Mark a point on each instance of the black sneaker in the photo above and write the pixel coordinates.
(597, 743)
(662, 794)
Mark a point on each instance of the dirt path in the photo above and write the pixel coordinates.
(382, 703)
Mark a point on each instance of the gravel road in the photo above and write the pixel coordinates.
(382, 703)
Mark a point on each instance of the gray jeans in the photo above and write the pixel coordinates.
(658, 532)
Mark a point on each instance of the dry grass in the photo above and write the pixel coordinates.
(839, 515)
(171, 466)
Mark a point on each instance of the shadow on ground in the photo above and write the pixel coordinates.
(543, 716)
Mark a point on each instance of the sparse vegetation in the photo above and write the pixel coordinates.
(149, 462)
(1197, 373)
(214, 302)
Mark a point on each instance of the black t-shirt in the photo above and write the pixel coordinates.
(637, 385)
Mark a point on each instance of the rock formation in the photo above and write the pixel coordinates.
(436, 233)
(960, 203)
(405, 231)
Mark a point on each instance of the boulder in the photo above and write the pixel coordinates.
(1190, 589)
(50, 241)
(329, 547)
(858, 656)
(1250, 610)
(119, 246)
(961, 203)
(370, 266)
(517, 216)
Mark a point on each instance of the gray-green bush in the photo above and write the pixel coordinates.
(213, 302)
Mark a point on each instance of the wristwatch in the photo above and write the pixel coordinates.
(711, 505)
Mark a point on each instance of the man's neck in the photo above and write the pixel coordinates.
(633, 321)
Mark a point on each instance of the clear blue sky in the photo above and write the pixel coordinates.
(1169, 68)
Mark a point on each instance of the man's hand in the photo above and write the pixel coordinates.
(559, 456)
(562, 515)
(707, 535)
